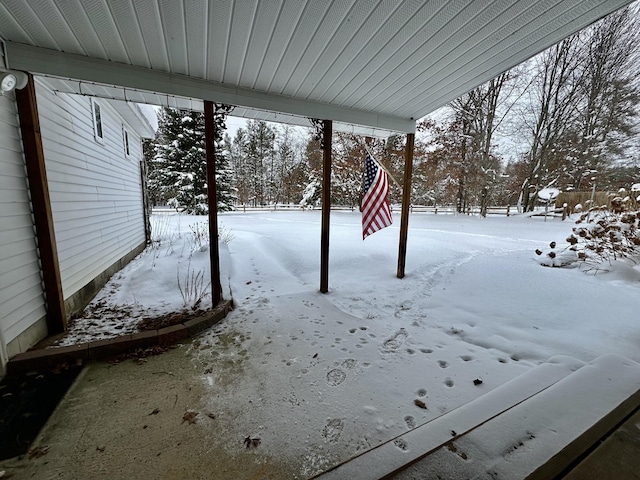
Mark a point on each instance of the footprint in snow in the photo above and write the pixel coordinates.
(410, 422)
(394, 343)
(333, 429)
(335, 377)
(350, 363)
(401, 444)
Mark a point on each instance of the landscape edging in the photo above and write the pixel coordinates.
(48, 358)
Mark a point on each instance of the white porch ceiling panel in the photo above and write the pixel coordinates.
(376, 63)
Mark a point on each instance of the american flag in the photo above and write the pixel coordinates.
(375, 209)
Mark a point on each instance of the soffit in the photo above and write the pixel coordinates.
(377, 63)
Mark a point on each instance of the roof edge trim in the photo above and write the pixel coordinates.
(52, 62)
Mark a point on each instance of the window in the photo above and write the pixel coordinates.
(98, 133)
(125, 141)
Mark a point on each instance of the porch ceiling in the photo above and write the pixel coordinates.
(380, 64)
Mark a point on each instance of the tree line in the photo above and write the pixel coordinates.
(567, 118)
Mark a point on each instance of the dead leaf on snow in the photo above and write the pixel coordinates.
(38, 452)
(251, 442)
(420, 403)
(189, 417)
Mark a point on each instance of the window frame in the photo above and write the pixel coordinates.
(98, 123)
(126, 143)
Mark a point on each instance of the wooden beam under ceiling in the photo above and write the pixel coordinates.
(45, 61)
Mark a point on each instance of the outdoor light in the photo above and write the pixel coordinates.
(10, 80)
(8, 83)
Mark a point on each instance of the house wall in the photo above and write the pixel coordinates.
(97, 208)
(22, 307)
(95, 191)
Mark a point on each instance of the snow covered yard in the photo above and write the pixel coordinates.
(318, 378)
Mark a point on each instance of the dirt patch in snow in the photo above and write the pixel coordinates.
(113, 322)
(168, 319)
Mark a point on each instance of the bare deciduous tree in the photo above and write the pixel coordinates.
(552, 106)
(608, 89)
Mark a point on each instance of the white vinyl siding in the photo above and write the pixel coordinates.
(21, 295)
(94, 187)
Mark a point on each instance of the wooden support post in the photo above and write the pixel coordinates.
(406, 202)
(214, 253)
(326, 206)
(41, 205)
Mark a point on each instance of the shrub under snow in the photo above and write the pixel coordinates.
(599, 238)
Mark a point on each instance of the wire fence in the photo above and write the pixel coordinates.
(291, 207)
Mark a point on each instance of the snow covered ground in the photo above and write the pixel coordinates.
(321, 377)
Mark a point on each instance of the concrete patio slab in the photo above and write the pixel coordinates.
(142, 420)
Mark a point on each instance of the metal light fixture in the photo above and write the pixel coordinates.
(11, 79)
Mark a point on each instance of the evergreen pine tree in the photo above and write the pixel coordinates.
(179, 169)
(226, 193)
(259, 161)
(313, 185)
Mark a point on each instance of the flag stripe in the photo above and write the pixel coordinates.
(376, 213)
(375, 202)
(378, 207)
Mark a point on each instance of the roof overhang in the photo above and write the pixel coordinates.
(381, 65)
(127, 95)
(137, 84)
(134, 117)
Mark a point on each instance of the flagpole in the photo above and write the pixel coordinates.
(382, 167)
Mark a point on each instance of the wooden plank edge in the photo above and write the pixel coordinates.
(387, 460)
(560, 464)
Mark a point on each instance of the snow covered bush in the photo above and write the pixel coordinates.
(200, 236)
(193, 287)
(311, 194)
(600, 237)
(225, 234)
(200, 232)
(163, 237)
